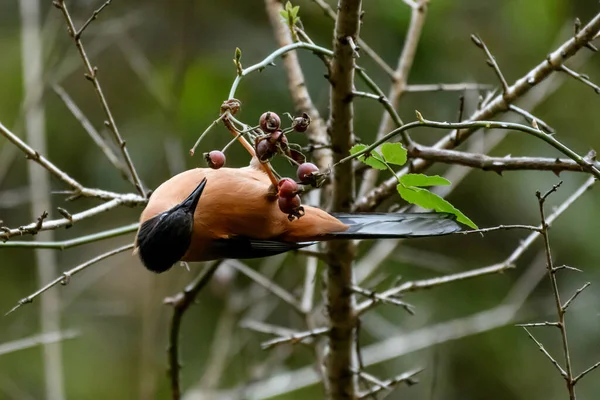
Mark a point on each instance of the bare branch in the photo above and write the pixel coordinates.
(491, 60)
(91, 75)
(583, 161)
(376, 297)
(266, 283)
(492, 269)
(400, 79)
(577, 293)
(587, 371)
(36, 340)
(79, 190)
(7, 233)
(181, 302)
(65, 244)
(66, 276)
(538, 324)
(543, 350)
(364, 47)
(341, 382)
(89, 128)
(317, 131)
(295, 338)
(497, 105)
(581, 78)
(407, 377)
(446, 87)
(531, 118)
(496, 164)
(92, 18)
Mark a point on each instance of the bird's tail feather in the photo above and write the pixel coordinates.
(396, 225)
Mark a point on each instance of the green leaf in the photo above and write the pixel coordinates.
(284, 14)
(294, 11)
(374, 159)
(424, 180)
(431, 201)
(394, 153)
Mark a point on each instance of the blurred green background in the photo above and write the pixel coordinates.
(165, 68)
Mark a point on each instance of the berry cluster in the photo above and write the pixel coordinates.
(270, 140)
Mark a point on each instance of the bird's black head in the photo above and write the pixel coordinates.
(164, 239)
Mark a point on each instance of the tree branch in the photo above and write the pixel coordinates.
(340, 299)
(181, 302)
(496, 164)
(497, 105)
(66, 276)
(92, 76)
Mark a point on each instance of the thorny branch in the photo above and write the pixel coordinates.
(561, 309)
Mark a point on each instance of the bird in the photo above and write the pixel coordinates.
(205, 214)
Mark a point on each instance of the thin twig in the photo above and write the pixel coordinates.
(589, 166)
(364, 47)
(407, 377)
(492, 269)
(92, 76)
(496, 164)
(530, 118)
(66, 276)
(267, 284)
(78, 189)
(400, 79)
(89, 128)
(36, 340)
(181, 302)
(539, 324)
(492, 108)
(491, 60)
(271, 57)
(560, 310)
(6, 234)
(577, 293)
(543, 350)
(581, 78)
(294, 338)
(78, 241)
(587, 371)
(90, 19)
(446, 87)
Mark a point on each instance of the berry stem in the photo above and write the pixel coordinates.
(216, 121)
(265, 166)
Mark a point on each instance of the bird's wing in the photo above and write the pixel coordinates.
(240, 247)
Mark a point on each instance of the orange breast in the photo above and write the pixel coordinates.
(235, 203)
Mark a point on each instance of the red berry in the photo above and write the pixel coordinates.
(300, 124)
(215, 159)
(289, 205)
(277, 136)
(305, 172)
(287, 188)
(265, 150)
(269, 122)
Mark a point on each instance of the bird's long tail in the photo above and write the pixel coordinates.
(396, 225)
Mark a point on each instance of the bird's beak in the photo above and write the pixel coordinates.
(191, 202)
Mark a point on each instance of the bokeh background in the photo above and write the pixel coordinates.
(165, 68)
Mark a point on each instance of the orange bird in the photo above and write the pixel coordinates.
(207, 214)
